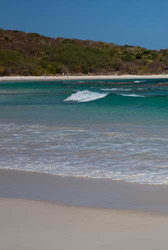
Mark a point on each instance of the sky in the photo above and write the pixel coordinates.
(140, 23)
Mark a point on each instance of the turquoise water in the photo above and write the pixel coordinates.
(99, 129)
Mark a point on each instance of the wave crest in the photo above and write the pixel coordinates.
(85, 96)
(116, 89)
(132, 95)
(138, 81)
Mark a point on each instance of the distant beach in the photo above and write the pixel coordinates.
(82, 77)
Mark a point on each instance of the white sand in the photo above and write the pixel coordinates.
(44, 226)
(54, 78)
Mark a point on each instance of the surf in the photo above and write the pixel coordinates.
(85, 96)
(131, 95)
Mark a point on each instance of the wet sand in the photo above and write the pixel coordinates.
(96, 193)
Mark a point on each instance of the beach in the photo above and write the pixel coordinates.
(84, 192)
(81, 77)
(47, 223)
(83, 125)
(40, 225)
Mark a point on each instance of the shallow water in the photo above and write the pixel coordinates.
(99, 129)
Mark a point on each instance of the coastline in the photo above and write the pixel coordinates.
(82, 77)
(42, 211)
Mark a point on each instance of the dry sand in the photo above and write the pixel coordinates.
(44, 226)
(102, 77)
(41, 225)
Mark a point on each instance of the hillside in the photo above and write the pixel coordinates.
(33, 54)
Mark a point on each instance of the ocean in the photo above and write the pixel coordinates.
(113, 129)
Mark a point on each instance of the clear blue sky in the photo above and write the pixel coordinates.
(143, 22)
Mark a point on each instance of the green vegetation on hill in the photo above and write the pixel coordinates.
(32, 54)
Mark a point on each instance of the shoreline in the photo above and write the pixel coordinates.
(84, 192)
(83, 77)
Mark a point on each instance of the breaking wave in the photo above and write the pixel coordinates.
(138, 81)
(85, 96)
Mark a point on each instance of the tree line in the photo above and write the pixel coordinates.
(33, 54)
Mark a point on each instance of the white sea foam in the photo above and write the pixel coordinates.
(112, 154)
(85, 96)
(132, 95)
(116, 89)
(138, 81)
